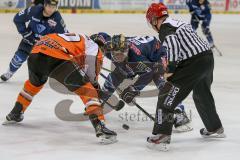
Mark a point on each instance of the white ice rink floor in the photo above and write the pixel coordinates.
(43, 136)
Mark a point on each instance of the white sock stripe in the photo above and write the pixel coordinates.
(26, 95)
(93, 101)
(15, 65)
(16, 62)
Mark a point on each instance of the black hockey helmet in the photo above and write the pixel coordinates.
(116, 46)
(51, 2)
(36, 2)
(101, 39)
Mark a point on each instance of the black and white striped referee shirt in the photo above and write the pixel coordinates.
(180, 40)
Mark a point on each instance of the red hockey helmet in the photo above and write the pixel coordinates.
(156, 10)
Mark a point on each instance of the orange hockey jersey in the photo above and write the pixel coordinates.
(74, 47)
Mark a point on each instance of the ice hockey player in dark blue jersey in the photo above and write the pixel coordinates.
(139, 56)
(42, 20)
(201, 12)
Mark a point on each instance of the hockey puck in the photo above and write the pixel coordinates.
(125, 126)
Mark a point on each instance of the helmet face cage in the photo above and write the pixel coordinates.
(119, 51)
(117, 43)
(123, 47)
(119, 55)
(108, 47)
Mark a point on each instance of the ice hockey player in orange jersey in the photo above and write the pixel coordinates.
(74, 60)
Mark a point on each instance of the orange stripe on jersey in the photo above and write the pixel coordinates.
(61, 46)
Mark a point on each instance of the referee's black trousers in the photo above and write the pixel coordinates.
(194, 74)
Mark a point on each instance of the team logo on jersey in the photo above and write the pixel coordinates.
(135, 49)
(40, 28)
(35, 19)
(158, 45)
(52, 23)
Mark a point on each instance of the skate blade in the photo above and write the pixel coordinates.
(159, 147)
(184, 128)
(104, 140)
(6, 122)
(222, 135)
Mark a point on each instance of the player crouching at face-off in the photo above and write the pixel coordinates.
(73, 60)
(140, 59)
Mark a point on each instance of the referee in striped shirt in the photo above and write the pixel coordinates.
(190, 68)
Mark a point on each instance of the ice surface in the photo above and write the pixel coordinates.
(43, 136)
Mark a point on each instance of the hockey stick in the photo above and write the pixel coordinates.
(105, 69)
(116, 107)
(134, 102)
(140, 108)
(219, 52)
(143, 110)
(214, 46)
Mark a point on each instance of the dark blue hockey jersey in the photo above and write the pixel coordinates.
(144, 52)
(200, 10)
(145, 48)
(37, 23)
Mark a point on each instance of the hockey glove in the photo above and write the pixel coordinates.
(129, 94)
(159, 68)
(99, 39)
(29, 38)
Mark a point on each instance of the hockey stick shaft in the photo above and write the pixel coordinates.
(198, 20)
(105, 69)
(219, 52)
(116, 107)
(143, 110)
(134, 102)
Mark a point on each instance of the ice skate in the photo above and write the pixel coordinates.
(15, 116)
(182, 123)
(159, 142)
(6, 76)
(219, 133)
(105, 135)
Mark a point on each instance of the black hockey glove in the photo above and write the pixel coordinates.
(129, 94)
(159, 68)
(99, 39)
(29, 38)
(96, 85)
